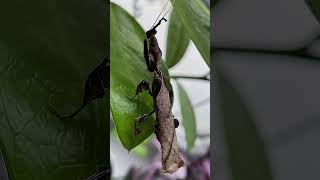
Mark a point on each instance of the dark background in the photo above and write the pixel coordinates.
(265, 92)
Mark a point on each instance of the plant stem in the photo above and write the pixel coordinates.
(192, 77)
(299, 52)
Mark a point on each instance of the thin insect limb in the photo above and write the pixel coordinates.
(142, 118)
(169, 8)
(67, 116)
(151, 32)
(95, 87)
(160, 13)
(164, 19)
(154, 26)
(101, 175)
(143, 86)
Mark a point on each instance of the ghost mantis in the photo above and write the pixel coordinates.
(162, 103)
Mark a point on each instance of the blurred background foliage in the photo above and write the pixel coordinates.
(266, 65)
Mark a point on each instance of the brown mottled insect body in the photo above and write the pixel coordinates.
(165, 129)
(162, 101)
(152, 52)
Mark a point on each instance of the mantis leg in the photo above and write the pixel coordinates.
(103, 174)
(67, 116)
(142, 118)
(143, 86)
(149, 62)
(156, 86)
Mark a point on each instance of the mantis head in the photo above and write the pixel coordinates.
(153, 30)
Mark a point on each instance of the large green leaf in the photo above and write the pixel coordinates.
(195, 17)
(314, 6)
(177, 40)
(246, 149)
(128, 69)
(188, 117)
(47, 50)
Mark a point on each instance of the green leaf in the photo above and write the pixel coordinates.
(195, 17)
(141, 150)
(314, 5)
(128, 70)
(189, 120)
(47, 50)
(246, 148)
(177, 41)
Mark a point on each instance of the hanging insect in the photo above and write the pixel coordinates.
(95, 87)
(162, 103)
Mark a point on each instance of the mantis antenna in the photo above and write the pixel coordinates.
(162, 11)
(169, 9)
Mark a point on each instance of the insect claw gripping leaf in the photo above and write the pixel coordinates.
(143, 86)
(95, 87)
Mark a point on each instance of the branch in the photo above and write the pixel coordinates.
(299, 52)
(205, 77)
